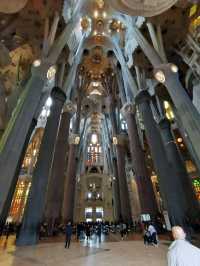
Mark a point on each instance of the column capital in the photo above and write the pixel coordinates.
(58, 94)
(69, 107)
(142, 96)
(128, 108)
(74, 139)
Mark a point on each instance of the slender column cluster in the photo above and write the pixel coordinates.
(29, 233)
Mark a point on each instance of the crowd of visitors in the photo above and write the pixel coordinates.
(181, 252)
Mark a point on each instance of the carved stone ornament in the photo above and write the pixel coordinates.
(69, 107)
(74, 139)
(144, 8)
(128, 108)
(12, 6)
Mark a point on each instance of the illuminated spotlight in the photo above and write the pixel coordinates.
(104, 14)
(174, 68)
(37, 63)
(95, 33)
(43, 113)
(51, 73)
(103, 33)
(94, 139)
(182, 145)
(180, 140)
(49, 102)
(77, 140)
(118, 21)
(118, 30)
(96, 13)
(160, 76)
(166, 104)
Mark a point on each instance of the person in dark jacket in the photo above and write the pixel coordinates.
(68, 233)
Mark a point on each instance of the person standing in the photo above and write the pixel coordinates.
(68, 233)
(99, 232)
(153, 234)
(181, 252)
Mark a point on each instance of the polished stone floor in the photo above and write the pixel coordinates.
(110, 252)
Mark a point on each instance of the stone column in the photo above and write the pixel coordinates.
(70, 181)
(142, 176)
(168, 75)
(17, 135)
(54, 200)
(179, 168)
(34, 211)
(170, 186)
(120, 154)
(7, 206)
(190, 118)
(123, 186)
(116, 191)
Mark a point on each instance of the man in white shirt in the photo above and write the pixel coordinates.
(181, 252)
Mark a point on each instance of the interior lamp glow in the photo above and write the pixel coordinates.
(51, 73)
(37, 63)
(96, 13)
(174, 68)
(94, 139)
(49, 102)
(160, 76)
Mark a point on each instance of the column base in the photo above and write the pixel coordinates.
(27, 238)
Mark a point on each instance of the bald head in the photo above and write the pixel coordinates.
(178, 233)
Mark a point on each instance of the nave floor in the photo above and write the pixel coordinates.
(111, 252)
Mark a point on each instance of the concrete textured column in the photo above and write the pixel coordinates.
(54, 200)
(188, 114)
(116, 191)
(12, 152)
(142, 177)
(123, 186)
(120, 154)
(70, 181)
(34, 210)
(170, 185)
(179, 168)
(70, 184)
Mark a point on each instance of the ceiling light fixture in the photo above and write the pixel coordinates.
(160, 76)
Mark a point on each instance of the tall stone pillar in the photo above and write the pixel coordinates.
(170, 185)
(70, 181)
(18, 137)
(142, 177)
(179, 168)
(55, 192)
(34, 211)
(123, 186)
(116, 191)
(168, 75)
(120, 154)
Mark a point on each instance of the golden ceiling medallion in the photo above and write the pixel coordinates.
(100, 3)
(85, 23)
